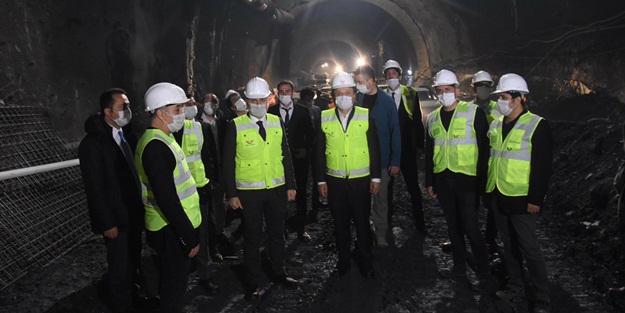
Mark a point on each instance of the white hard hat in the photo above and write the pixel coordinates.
(162, 94)
(482, 76)
(342, 80)
(512, 82)
(257, 88)
(445, 78)
(391, 64)
(230, 93)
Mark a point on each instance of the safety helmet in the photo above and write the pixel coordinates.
(162, 94)
(512, 83)
(391, 64)
(482, 76)
(230, 93)
(342, 80)
(445, 78)
(257, 88)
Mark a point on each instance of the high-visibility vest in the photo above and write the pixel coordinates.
(185, 185)
(492, 113)
(258, 163)
(347, 152)
(455, 148)
(192, 142)
(510, 160)
(407, 99)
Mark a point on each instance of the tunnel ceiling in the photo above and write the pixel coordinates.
(341, 31)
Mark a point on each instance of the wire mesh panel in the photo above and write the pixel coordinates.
(42, 215)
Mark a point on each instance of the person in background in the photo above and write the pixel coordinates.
(234, 105)
(169, 193)
(259, 180)
(307, 96)
(114, 194)
(520, 140)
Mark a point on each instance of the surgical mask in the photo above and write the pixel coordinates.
(240, 105)
(344, 102)
(363, 88)
(503, 106)
(258, 110)
(178, 122)
(447, 99)
(482, 92)
(124, 117)
(285, 99)
(190, 112)
(392, 83)
(208, 108)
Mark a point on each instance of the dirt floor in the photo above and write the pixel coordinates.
(578, 234)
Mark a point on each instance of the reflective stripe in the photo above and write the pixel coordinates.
(194, 158)
(328, 118)
(272, 124)
(241, 127)
(183, 194)
(359, 171)
(463, 141)
(260, 184)
(340, 173)
(360, 117)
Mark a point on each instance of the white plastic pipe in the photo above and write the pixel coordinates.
(37, 169)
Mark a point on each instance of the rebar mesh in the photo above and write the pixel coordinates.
(42, 215)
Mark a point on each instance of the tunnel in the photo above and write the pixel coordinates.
(57, 57)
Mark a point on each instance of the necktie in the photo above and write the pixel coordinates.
(128, 155)
(261, 130)
(286, 117)
(393, 95)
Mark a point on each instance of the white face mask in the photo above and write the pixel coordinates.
(503, 106)
(208, 108)
(124, 117)
(447, 99)
(258, 110)
(392, 83)
(178, 122)
(285, 99)
(363, 88)
(344, 102)
(482, 92)
(190, 112)
(240, 105)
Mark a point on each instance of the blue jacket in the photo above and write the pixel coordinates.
(384, 112)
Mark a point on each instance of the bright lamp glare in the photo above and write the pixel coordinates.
(360, 61)
(339, 68)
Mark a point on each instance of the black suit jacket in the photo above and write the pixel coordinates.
(299, 131)
(113, 196)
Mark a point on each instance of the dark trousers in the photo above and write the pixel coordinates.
(300, 167)
(518, 234)
(490, 232)
(411, 177)
(349, 199)
(123, 255)
(270, 204)
(217, 210)
(203, 256)
(461, 217)
(173, 267)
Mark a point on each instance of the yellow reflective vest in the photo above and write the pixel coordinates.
(407, 99)
(258, 163)
(185, 185)
(510, 159)
(492, 113)
(347, 152)
(192, 142)
(455, 148)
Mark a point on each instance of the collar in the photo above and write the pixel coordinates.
(256, 119)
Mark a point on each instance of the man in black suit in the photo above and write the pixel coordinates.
(113, 193)
(300, 136)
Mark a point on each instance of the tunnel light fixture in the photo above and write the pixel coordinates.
(409, 72)
(360, 61)
(339, 68)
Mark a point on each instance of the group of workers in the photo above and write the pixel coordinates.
(174, 179)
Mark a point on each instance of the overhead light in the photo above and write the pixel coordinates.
(360, 61)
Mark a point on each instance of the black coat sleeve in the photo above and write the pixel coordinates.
(375, 162)
(158, 164)
(92, 166)
(319, 169)
(208, 153)
(541, 167)
(428, 163)
(417, 123)
(483, 146)
(287, 162)
(228, 163)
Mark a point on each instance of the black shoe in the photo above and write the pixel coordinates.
(286, 281)
(304, 237)
(252, 293)
(452, 274)
(339, 271)
(211, 287)
(446, 246)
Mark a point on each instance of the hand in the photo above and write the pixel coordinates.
(111, 233)
(533, 209)
(323, 190)
(194, 251)
(374, 188)
(393, 170)
(235, 203)
(291, 194)
(431, 192)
